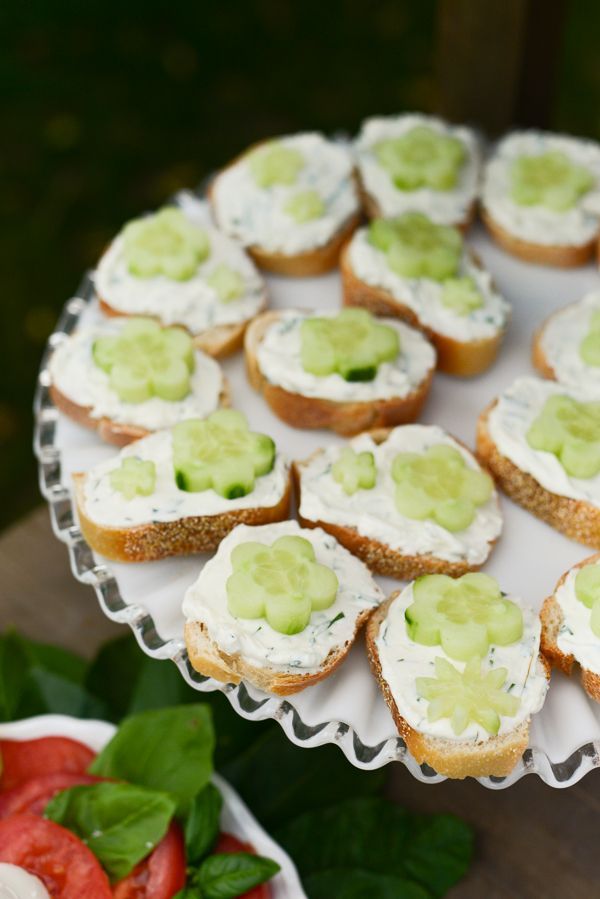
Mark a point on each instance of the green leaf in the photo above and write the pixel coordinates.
(120, 823)
(166, 749)
(202, 824)
(225, 876)
(353, 883)
(14, 672)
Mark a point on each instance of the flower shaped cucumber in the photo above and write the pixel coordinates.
(550, 180)
(587, 591)
(461, 296)
(273, 163)
(571, 431)
(416, 247)
(165, 243)
(227, 283)
(282, 583)
(438, 484)
(305, 206)
(589, 348)
(134, 477)
(462, 615)
(145, 360)
(219, 452)
(354, 470)
(467, 696)
(353, 344)
(421, 158)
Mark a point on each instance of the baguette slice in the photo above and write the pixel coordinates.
(380, 557)
(212, 660)
(346, 418)
(495, 757)
(556, 345)
(558, 255)
(454, 357)
(552, 618)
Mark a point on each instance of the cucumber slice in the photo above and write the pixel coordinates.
(351, 344)
(177, 342)
(548, 179)
(478, 486)
(244, 598)
(317, 352)
(104, 352)
(263, 454)
(288, 614)
(321, 585)
(385, 342)
(131, 382)
(381, 234)
(463, 641)
(233, 478)
(134, 477)
(421, 629)
(413, 501)
(429, 587)
(274, 164)
(180, 267)
(455, 514)
(580, 459)
(305, 206)
(227, 283)
(164, 244)
(247, 554)
(461, 296)
(171, 380)
(193, 477)
(587, 585)
(422, 249)
(297, 546)
(505, 626)
(142, 264)
(422, 157)
(354, 470)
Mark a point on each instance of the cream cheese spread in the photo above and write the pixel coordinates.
(256, 216)
(508, 423)
(279, 359)
(74, 372)
(373, 512)
(254, 639)
(573, 227)
(108, 507)
(424, 295)
(403, 661)
(560, 340)
(17, 883)
(445, 207)
(576, 636)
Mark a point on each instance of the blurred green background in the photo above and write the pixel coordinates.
(108, 108)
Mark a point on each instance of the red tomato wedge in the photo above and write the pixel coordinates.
(35, 794)
(23, 759)
(66, 867)
(161, 874)
(228, 843)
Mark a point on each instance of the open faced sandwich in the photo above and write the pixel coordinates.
(406, 501)
(539, 197)
(278, 606)
(420, 164)
(541, 442)
(169, 267)
(567, 346)
(410, 268)
(181, 490)
(346, 371)
(291, 201)
(459, 666)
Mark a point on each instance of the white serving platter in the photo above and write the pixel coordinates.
(346, 708)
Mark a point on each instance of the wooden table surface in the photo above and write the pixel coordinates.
(532, 840)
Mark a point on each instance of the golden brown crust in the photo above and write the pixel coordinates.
(159, 540)
(208, 659)
(345, 418)
(538, 356)
(494, 757)
(577, 519)
(454, 357)
(117, 433)
(560, 255)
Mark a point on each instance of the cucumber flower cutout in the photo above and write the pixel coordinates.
(421, 158)
(219, 452)
(587, 591)
(570, 430)
(439, 485)
(467, 696)
(462, 615)
(354, 470)
(273, 163)
(352, 344)
(305, 206)
(282, 583)
(550, 180)
(416, 247)
(589, 348)
(461, 295)
(134, 477)
(165, 243)
(145, 360)
(227, 283)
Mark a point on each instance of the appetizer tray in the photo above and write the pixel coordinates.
(347, 708)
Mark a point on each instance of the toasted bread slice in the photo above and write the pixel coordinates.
(495, 757)
(380, 557)
(454, 357)
(560, 255)
(345, 418)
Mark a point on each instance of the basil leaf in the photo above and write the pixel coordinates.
(227, 875)
(120, 823)
(166, 749)
(352, 883)
(202, 824)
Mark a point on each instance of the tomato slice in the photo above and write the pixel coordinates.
(35, 794)
(65, 865)
(161, 874)
(24, 759)
(228, 843)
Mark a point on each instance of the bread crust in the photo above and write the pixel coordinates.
(114, 432)
(379, 557)
(576, 519)
(495, 757)
(160, 540)
(208, 659)
(559, 255)
(346, 418)
(454, 357)
(552, 618)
